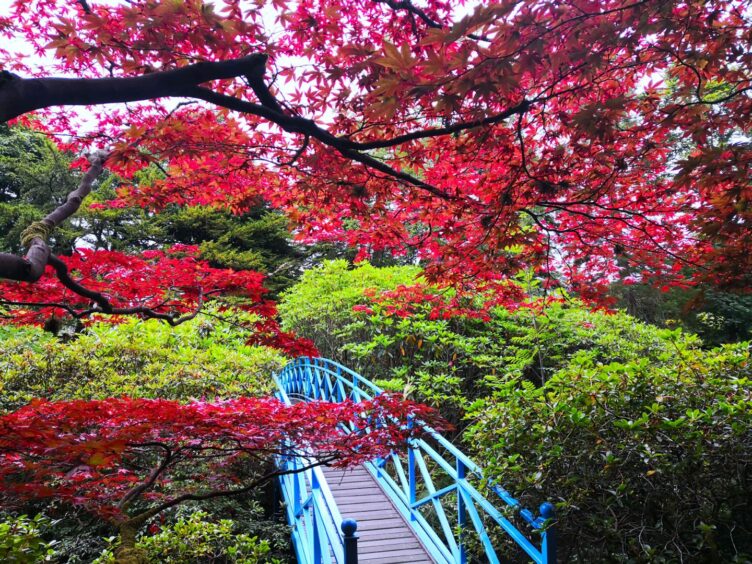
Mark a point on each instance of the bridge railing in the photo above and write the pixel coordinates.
(434, 485)
(312, 512)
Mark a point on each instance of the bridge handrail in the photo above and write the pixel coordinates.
(311, 510)
(324, 379)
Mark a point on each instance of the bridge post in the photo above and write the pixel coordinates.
(296, 493)
(349, 526)
(461, 511)
(411, 472)
(318, 550)
(548, 547)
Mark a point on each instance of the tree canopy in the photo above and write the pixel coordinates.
(590, 141)
(108, 456)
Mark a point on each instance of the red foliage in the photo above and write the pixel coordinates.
(591, 140)
(168, 281)
(171, 282)
(103, 455)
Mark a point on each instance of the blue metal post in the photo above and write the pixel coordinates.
(461, 514)
(296, 495)
(411, 479)
(349, 526)
(548, 548)
(318, 550)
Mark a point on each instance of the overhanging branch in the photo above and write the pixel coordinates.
(31, 267)
(21, 95)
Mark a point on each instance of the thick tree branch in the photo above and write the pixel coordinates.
(140, 519)
(19, 95)
(31, 267)
(104, 305)
(150, 481)
(75, 198)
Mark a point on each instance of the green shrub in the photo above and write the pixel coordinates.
(205, 357)
(319, 306)
(642, 439)
(201, 358)
(646, 462)
(21, 540)
(451, 362)
(196, 539)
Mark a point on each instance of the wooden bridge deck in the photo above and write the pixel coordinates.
(384, 536)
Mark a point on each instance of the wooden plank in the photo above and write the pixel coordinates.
(366, 499)
(384, 536)
(365, 507)
(412, 557)
(385, 532)
(384, 545)
(354, 487)
(389, 514)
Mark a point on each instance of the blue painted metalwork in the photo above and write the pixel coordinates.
(311, 511)
(423, 481)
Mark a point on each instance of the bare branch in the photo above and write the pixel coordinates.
(31, 267)
(146, 515)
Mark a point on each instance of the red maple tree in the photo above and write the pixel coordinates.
(589, 140)
(128, 460)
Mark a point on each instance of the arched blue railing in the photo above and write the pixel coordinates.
(311, 510)
(434, 485)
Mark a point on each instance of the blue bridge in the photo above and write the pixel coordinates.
(430, 503)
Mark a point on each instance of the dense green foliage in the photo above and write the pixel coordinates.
(34, 179)
(320, 306)
(450, 362)
(202, 358)
(21, 540)
(641, 437)
(196, 539)
(647, 461)
(717, 317)
(257, 240)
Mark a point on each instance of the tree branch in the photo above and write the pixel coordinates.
(20, 95)
(150, 481)
(31, 267)
(295, 124)
(141, 518)
(520, 108)
(408, 6)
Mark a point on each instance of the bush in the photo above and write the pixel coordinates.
(646, 462)
(319, 306)
(196, 539)
(21, 540)
(451, 362)
(643, 439)
(201, 358)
